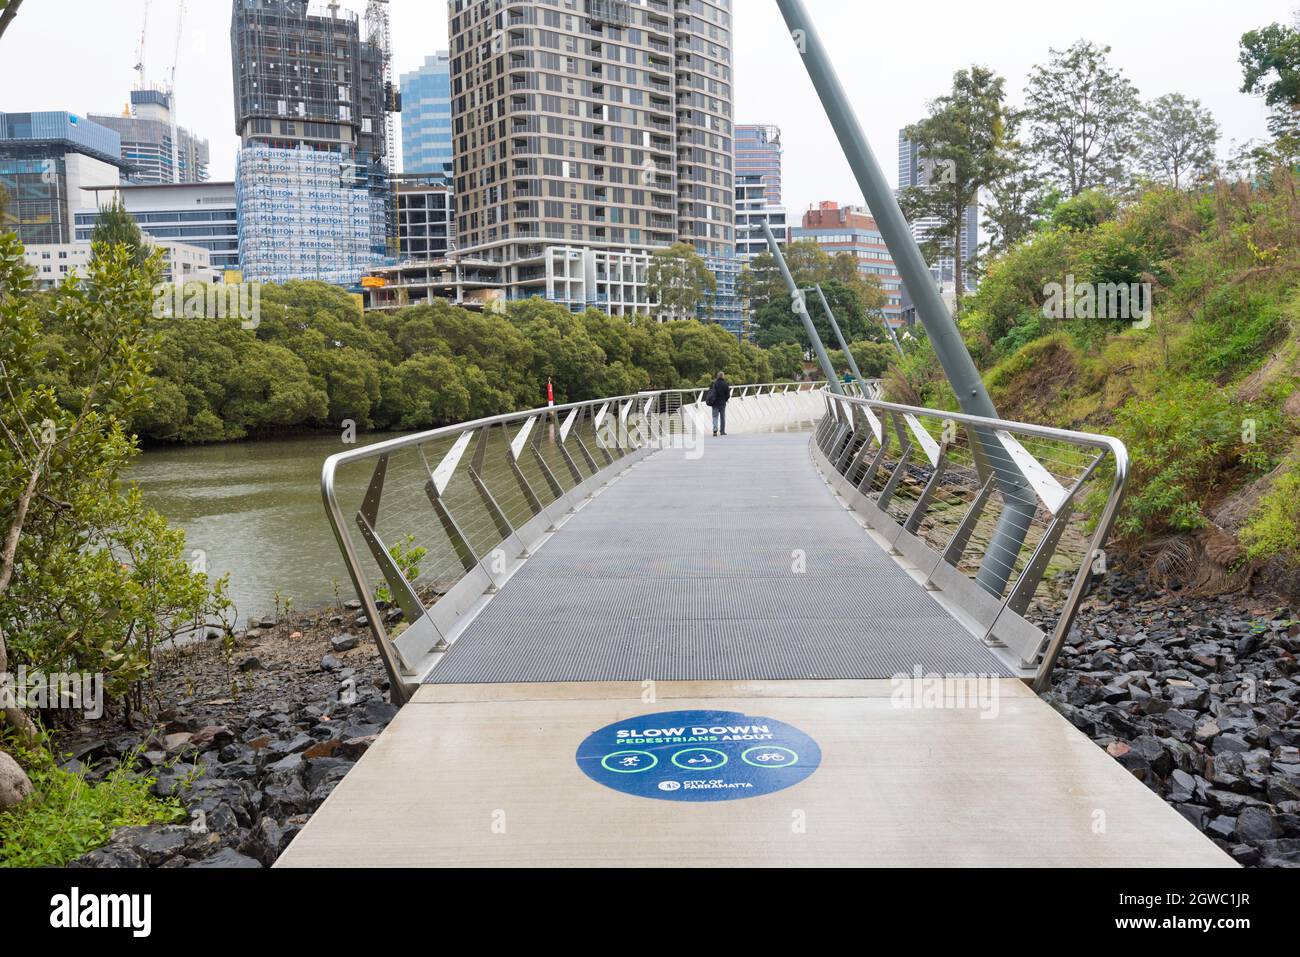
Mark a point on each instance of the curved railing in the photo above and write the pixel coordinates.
(447, 516)
(925, 481)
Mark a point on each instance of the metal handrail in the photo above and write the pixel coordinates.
(853, 441)
(584, 470)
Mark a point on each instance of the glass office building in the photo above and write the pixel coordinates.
(758, 153)
(426, 117)
(47, 162)
(154, 149)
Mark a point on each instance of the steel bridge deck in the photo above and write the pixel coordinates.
(741, 565)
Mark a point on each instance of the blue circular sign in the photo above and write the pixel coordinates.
(699, 756)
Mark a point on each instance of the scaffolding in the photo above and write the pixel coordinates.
(307, 80)
(303, 215)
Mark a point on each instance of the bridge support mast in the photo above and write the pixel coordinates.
(839, 334)
(1019, 500)
(801, 310)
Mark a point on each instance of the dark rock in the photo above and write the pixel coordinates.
(266, 841)
(1255, 824)
(153, 844)
(285, 800)
(324, 749)
(1182, 787)
(352, 748)
(344, 642)
(1228, 743)
(290, 762)
(379, 712)
(1195, 813)
(110, 856)
(212, 736)
(325, 770)
(227, 858)
(278, 749)
(1223, 826)
(1245, 855)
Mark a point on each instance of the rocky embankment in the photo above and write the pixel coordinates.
(1198, 698)
(250, 740)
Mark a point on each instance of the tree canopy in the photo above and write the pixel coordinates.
(680, 281)
(964, 144)
(1081, 118)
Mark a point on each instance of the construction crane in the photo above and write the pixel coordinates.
(144, 41)
(180, 29)
(170, 87)
(171, 95)
(379, 33)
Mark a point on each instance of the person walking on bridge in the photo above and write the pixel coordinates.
(718, 397)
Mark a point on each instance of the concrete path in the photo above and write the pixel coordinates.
(486, 775)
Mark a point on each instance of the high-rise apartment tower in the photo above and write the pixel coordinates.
(588, 134)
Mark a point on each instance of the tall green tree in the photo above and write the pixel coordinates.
(1080, 112)
(1270, 62)
(114, 227)
(1177, 139)
(965, 145)
(679, 281)
(776, 321)
(1016, 201)
(1013, 210)
(762, 282)
(787, 362)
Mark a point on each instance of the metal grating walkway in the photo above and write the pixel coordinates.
(685, 570)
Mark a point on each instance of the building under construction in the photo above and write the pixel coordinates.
(156, 151)
(313, 107)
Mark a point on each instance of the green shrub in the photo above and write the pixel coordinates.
(67, 816)
(1274, 528)
(1086, 211)
(1182, 441)
(406, 556)
(1237, 329)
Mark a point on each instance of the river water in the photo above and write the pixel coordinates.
(253, 510)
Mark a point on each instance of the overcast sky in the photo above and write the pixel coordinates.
(78, 55)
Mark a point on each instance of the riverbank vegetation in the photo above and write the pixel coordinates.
(1201, 375)
(69, 815)
(92, 582)
(315, 362)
